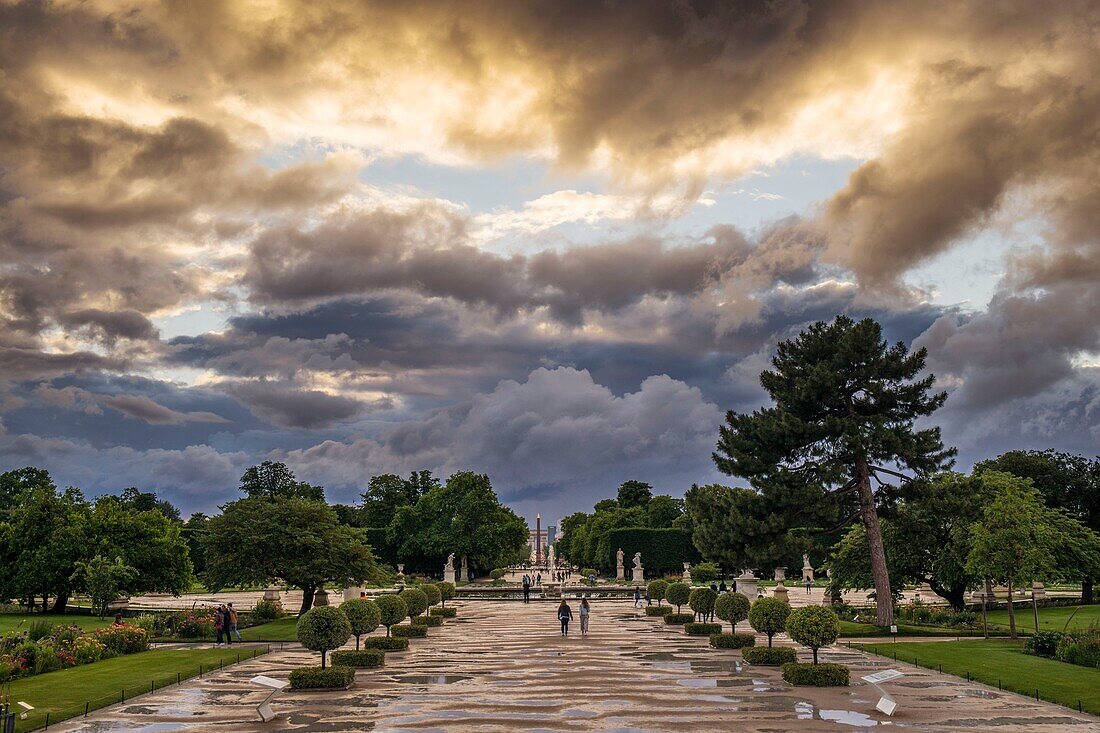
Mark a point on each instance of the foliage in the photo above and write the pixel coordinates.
(321, 678)
(416, 602)
(444, 612)
(135, 500)
(676, 619)
(769, 616)
(662, 550)
(1080, 646)
(146, 541)
(702, 601)
(363, 616)
(769, 655)
(104, 580)
(634, 494)
(678, 594)
(273, 480)
(816, 675)
(658, 610)
(446, 592)
(845, 409)
(362, 658)
(702, 629)
(386, 643)
(194, 626)
(123, 639)
(410, 631)
(428, 620)
(657, 589)
(732, 607)
(391, 610)
(732, 641)
(431, 591)
(1043, 644)
(322, 629)
(256, 540)
(704, 572)
(813, 626)
(267, 611)
(497, 573)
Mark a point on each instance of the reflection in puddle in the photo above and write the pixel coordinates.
(849, 717)
(431, 679)
(119, 727)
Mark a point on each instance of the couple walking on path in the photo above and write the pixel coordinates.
(225, 622)
(565, 615)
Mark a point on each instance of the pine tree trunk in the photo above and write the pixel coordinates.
(1011, 612)
(884, 599)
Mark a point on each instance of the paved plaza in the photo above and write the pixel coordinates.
(502, 666)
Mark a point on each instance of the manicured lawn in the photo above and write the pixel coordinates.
(21, 621)
(283, 629)
(852, 629)
(1001, 662)
(63, 694)
(1050, 619)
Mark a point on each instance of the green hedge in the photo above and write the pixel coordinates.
(816, 675)
(679, 618)
(361, 658)
(385, 643)
(658, 610)
(663, 550)
(732, 641)
(443, 612)
(428, 621)
(410, 632)
(315, 678)
(772, 655)
(697, 629)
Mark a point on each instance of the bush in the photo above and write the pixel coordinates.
(391, 609)
(732, 607)
(656, 590)
(363, 615)
(813, 626)
(410, 632)
(587, 572)
(679, 618)
(323, 628)
(497, 573)
(677, 594)
(704, 572)
(694, 629)
(732, 641)
(770, 655)
(39, 628)
(320, 678)
(446, 592)
(432, 592)
(702, 601)
(362, 658)
(816, 675)
(123, 639)
(192, 626)
(267, 611)
(1080, 647)
(416, 602)
(658, 610)
(1043, 644)
(87, 649)
(444, 612)
(769, 616)
(386, 643)
(427, 621)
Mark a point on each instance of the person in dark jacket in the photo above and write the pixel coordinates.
(565, 615)
(526, 589)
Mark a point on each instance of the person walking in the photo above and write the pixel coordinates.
(526, 589)
(722, 587)
(219, 625)
(637, 597)
(586, 612)
(809, 583)
(565, 615)
(232, 629)
(538, 579)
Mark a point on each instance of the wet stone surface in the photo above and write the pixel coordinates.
(506, 668)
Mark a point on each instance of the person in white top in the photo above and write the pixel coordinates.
(586, 611)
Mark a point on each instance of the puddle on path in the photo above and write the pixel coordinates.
(432, 679)
(121, 727)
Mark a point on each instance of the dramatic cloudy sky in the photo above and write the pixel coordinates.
(551, 241)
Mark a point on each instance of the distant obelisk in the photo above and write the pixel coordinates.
(538, 539)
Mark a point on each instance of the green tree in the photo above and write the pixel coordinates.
(104, 580)
(271, 480)
(845, 408)
(323, 629)
(146, 540)
(14, 483)
(385, 494)
(732, 607)
(677, 594)
(258, 540)
(769, 616)
(391, 610)
(446, 592)
(416, 602)
(363, 616)
(657, 589)
(194, 529)
(813, 626)
(1014, 541)
(144, 501)
(662, 510)
(432, 593)
(701, 601)
(634, 494)
(704, 572)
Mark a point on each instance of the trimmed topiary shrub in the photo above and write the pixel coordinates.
(702, 601)
(363, 615)
(677, 594)
(770, 655)
(391, 610)
(446, 592)
(732, 641)
(320, 678)
(732, 607)
(679, 618)
(386, 643)
(658, 610)
(323, 628)
(410, 632)
(769, 616)
(416, 602)
(444, 612)
(431, 591)
(813, 626)
(586, 572)
(361, 658)
(816, 675)
(694, 629)
(704, 572)
(497, 573)
(656, 590)
(427, 621)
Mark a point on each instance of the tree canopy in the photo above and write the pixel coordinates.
(273, 480)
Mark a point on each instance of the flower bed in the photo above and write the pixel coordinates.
(64, 647)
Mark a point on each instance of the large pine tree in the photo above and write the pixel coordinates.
(845, 407)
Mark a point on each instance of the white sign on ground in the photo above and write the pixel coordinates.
(886, 703)
(276, 686)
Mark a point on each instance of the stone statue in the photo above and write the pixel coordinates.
(806, 561)
(620, 574)
(550, 562)
(638, 576)
(637, 561)
(450, 561)
(449, 569)
(619, 557)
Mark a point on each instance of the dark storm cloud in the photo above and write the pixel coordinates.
(140, 407)
(110, 326)
(290, 406)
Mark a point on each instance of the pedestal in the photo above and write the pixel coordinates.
(807, 574)
(687, 573)
(638, 576)
(620, 572)
(464, 574)
(986, 592)
(449, 575)
(1038, 590)
(780, 575)
(781, 593)
(320, 598)
(352, 591)
(273, 595)
(400, 570)
(747, 585)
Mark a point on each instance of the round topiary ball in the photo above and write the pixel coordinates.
(497, 573)
(415, 601)
(769, 616)
(732, 607)
(322, 629)
(814, 626)
(391, 609)
(446, 592)
(656, 590)
(363, 615)
(677, 594)
(702, 601)
(431, 592)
